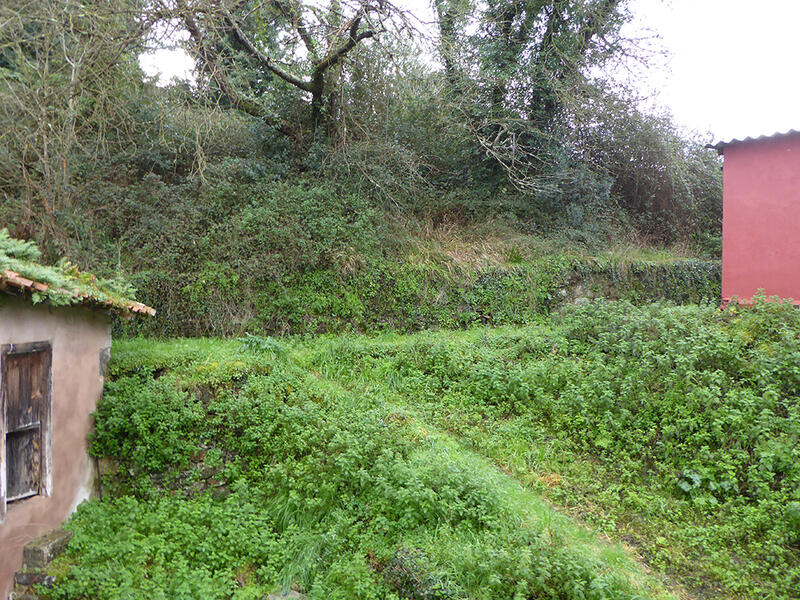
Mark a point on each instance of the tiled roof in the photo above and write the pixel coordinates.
(720, 146)
(64, 284)
(12, 279)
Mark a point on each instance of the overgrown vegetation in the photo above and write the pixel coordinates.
(243, 200)
(239, 473)
(256, 291)
(326, 171)
(413, 466)
(673, 429)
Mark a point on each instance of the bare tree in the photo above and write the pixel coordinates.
(298, 44)
(60, 63)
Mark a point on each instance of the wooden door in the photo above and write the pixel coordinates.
(26, 411)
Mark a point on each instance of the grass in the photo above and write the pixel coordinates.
(338, 492)
(611, 451)
(670, 429)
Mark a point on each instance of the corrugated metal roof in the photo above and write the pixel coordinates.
(720, 146)
(13, 279)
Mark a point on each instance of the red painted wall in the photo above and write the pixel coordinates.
(761, 218)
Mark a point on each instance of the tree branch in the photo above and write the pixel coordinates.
(263, 58)
(296, 19)
(335, 54)
(208, 59)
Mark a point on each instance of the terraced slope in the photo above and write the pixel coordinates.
(610, 452)
(240, 474)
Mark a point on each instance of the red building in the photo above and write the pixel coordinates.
(761, 216)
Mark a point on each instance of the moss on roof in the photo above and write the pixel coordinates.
(62, 284)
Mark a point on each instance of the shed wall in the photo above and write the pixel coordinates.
(761, 218)
(77, 337)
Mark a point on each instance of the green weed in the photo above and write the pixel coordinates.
(242, 473)
(671, 428)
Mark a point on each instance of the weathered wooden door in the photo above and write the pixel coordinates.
(26, 414)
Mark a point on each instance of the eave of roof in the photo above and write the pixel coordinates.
(720, 146)
(13, 280)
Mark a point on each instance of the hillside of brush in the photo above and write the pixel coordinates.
(611, 451)
(397, 216)
(230, 257)
(259, 241)
(483, 171)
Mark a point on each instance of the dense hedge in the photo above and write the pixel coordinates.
(403, 296)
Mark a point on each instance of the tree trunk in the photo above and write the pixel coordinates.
(317, 102)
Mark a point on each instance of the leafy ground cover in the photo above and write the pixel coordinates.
(672, 429)
(240, 473)
(472, 464)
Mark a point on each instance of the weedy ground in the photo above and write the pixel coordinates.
(608, 451)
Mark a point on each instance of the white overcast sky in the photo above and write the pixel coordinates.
(733, 68)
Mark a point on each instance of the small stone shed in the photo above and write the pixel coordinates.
(55, 340)
(760, 216)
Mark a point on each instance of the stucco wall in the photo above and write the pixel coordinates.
(761, 220)
(77, 336)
